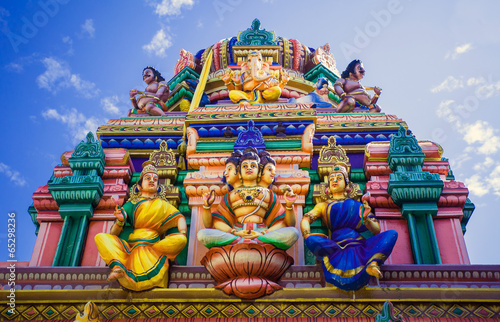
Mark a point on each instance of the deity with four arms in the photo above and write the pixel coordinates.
(250, 212)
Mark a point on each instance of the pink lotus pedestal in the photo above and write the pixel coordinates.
(247, 270)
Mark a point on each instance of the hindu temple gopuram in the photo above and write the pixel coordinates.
(261, 180)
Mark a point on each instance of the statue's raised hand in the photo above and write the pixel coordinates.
(367, 208)
(227, 76)
(235, 76)
(284, 76)
(119, 214)
(208, 198)
(289, 196)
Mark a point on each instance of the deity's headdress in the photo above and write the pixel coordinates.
(148, 167)
(342, 168)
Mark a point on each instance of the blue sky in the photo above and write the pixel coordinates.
(66, 67)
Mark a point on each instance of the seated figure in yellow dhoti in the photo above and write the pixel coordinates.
(256, 84)
(141, 262)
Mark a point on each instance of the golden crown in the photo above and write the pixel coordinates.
(342, 168)
(148, 167)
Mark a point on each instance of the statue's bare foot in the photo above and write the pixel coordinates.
(115, 274)
(374, 270)
(244, 104)
(374, 108)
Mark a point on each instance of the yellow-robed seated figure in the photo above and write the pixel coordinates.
(255, 84)
(141, 261)
(250, 212)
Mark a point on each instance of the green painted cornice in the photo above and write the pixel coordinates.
(88, 155)
(84, 193)
(320, 71)
(33, 214)
(469, 208)
(185, 73)
(254, 36)
(414, 191)
(404, 150)
(183, 92)
(358, 175)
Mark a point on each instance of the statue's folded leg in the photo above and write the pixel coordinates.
(112, 249)
(321, 246)
(214, 237)
(171, 245)
(282, 238)
(272, 93)
(236, 96)
(380, 246)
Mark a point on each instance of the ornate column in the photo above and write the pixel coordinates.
(417, 192)
(77, 196)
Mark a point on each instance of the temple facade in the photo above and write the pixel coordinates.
(222, 99)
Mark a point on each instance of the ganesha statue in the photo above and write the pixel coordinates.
(250, 230)
(255, 84)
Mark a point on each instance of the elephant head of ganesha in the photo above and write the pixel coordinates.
(256, 68)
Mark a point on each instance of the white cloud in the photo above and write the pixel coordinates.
(20, 63)
(477, 185)
(473, 81)
(200, 24)
(486, 164)
(159, 44)
(4, 24)
(67, 40)
(14, 67)
(488, 90)
(109, 105)
(13, 175)
(58, 75)
(482, 184)
(77, 123)
(450, 111)
(459, 50)
(494, 180)
(172, 7)
(449, 84)
(482, 135)
(88, 28)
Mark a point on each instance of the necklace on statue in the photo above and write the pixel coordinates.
(248, 194)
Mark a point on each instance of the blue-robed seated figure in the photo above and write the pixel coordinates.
(348, 258)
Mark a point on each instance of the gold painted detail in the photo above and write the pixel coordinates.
(248, 194)
(269, 53)
(165, 162)
(320, 192)
(329, 155)
(350, 272)
(286, 53)
(90, 313)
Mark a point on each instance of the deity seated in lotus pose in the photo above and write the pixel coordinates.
(348, 258)
(249, 232)
(153, 99)
(249, 212)
(255, 84)
(141, 261)
(352, 93)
